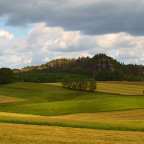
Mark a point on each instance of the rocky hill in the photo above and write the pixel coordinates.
(96, 66)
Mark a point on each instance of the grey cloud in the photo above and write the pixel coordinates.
(93, 18)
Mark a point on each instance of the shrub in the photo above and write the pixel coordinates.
(92, 85)
(80, 84)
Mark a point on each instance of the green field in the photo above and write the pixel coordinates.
(44, 105)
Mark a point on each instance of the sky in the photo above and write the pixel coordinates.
(33, 32)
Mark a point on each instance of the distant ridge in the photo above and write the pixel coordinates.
(95, 66)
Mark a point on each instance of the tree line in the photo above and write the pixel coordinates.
(44, 77)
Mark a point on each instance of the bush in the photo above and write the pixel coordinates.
(6, 76)
(80, 84)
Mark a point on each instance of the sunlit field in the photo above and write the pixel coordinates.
(70, 116)
(124, 89)
(128, 120)
(123, 82)
(18, 134)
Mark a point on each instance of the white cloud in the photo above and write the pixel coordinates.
(58, 55)
(45, 59)
(15, 59)
(43, 44)
(6, 35)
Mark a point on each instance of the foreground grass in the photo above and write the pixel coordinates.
(120, 120)
(18, 134)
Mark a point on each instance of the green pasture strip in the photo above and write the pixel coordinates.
(99, 103)
(38, 93)
(56, 121)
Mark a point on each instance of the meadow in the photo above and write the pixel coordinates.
(31, 134)
(52, 109)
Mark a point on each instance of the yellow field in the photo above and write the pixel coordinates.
(29, 134)
(6, 99)
(122, 82)
(118, 120)
(120, 88)
(125, 88)
(126, 115)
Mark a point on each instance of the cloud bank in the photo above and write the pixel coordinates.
(92, 17)
(45, 43)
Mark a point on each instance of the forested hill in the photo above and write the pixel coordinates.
(101, 67)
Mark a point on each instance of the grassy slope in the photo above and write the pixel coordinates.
(18, 134)
(98, 104)
(51, 100)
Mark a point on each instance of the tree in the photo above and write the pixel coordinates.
(6, 76)
(80, 84)
(92, 85)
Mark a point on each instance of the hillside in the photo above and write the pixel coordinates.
(101, 67)
(49, 113)
(52, 105)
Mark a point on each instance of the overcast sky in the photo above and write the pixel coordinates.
(33, 32)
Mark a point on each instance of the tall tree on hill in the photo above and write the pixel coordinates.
(6, 76)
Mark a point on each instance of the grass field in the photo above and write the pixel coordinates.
(30, 134)
(119, 120)
(124, 89)
(6, 99)
(51, 100)
(118, 107)
(123, 82)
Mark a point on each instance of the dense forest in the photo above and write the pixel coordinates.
(100, 67)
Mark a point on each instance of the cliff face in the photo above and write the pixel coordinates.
(103, 64)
